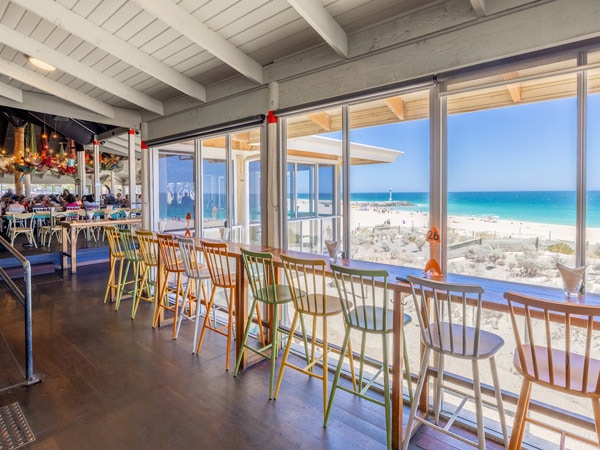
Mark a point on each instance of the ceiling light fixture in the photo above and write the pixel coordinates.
(41, 64)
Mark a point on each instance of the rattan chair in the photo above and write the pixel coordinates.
(265, 289)
(554, 344)
(363, 296)
(450, 323)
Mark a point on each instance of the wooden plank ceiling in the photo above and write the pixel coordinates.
(120, 60)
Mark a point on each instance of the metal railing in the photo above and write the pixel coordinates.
(25, 299)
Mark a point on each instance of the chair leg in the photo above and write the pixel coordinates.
(178, 287)
(386, 391)
(407, 373)
(438, 396)
(478, 404)
(161, 297)
(206, 318)
(122, 285)
(336, 377)
(499, 401)
(417, 396)
(244, 342)
(183, 305)
(325, 362)
(230, 331)
(286, 352)
(518, 430)
(111, 277)
(274, 348)
(596, 409)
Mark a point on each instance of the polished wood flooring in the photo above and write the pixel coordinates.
(110, 382)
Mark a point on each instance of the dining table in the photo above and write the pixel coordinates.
(70, 231)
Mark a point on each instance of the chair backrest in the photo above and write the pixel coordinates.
(115, 246)
(148, 247)
(168, 249)
(23, 220)
(130, 244)
(307, 281)
(218, 263)
(364, 298)
(449, 315)
(554, 343)
(192, 258)
(261, 275)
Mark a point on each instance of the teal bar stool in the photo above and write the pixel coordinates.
(261, 278)
(363, 296)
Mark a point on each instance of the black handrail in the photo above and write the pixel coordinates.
(25, 299)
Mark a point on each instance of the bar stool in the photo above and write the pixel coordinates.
(307, 282)
(135, 261)
(261, 278)
(148, 247)
(222, 277)
(445, 321)
(169, 264)
(116, 257)
(554, 350)
(197, 273)
(363, 296)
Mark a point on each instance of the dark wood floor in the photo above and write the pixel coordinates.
(110, 382)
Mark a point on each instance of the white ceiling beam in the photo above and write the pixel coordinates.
(321, 21)
(55, 88)
(186, 24)
(479, 7)
(11, 93)
(48, 104)
(69, 65)
(98, 37)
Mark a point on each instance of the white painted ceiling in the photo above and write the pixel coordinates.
(116, 57)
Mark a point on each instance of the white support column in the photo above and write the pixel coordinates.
(131, 154)
(147, 211)
(81, 191)
(97, 185)
(271, 186)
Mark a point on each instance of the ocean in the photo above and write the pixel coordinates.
(552, 207)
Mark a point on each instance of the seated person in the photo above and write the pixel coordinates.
(72, 201)
(16, 205)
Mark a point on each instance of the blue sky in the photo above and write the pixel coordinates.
(524, 147)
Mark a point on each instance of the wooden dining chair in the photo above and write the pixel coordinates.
(116, 263)
(450, 324)
(170, 296)
(148, 248)
(134, 263)
(22, 223)
(197, 274)
(554, 350)
(363, 297)
(307, 283)
(262, 280)
(222, 277)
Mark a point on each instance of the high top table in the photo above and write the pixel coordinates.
(70, 230)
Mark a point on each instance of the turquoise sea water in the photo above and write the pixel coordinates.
(554, 207)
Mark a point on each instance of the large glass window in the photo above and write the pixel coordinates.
(389, 179)
(512, 168)
(314, 156)
(592, 248)
(176, 187)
